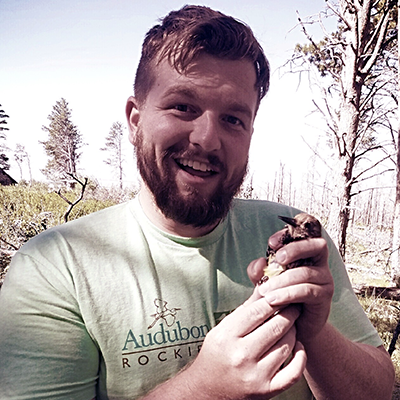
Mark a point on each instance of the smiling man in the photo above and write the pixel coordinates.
(192, 136)
(158, 298)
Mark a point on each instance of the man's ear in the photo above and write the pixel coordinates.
(132, 116)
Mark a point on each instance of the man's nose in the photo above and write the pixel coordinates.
(206, 133)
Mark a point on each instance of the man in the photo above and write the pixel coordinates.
(133, 301)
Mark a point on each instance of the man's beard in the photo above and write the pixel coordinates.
(192, 209)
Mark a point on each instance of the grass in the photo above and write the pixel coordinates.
(384, 315)
(367, 263)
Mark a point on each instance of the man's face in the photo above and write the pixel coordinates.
(192, 137)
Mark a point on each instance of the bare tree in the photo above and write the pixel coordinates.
(396, 220)
(354, 69)
(20, 156)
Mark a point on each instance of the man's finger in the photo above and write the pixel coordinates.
(302, 249)
(290, 373)
(247, 317)
(255, 270)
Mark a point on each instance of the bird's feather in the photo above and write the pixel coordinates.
(302, 226)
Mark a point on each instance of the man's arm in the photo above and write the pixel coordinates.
(337, 368)
(340, 369)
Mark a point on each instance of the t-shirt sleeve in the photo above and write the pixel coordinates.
(45, 349)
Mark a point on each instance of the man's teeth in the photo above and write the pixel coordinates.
(199, 166)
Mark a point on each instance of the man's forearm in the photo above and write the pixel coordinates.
(340, 369)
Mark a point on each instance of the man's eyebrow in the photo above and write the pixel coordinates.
(181, 90)
(241, 108)
(235, 106)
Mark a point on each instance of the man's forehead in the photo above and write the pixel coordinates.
(207, 72)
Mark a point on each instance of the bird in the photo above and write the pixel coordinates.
(302, 226)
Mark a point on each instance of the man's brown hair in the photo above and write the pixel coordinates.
(190, 31)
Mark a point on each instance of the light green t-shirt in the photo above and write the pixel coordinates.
(110, 306)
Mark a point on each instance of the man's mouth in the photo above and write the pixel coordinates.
(197, 168)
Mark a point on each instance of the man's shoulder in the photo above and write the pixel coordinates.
(101, 219)
(97, 224)
(262, 208)
(258, 217)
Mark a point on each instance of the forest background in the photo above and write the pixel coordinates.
(344, 168)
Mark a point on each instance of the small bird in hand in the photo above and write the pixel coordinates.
(302, 226)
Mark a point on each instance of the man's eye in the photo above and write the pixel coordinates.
(182, 108)
(233, 120)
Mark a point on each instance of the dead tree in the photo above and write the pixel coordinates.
(349, 65)
(72, 204)
(395, 260)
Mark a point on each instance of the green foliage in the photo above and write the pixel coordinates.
(28, 211)
(326, 56)
(4, 162)
(3, 158)
(3, 122)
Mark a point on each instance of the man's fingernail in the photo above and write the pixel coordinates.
(263, 288)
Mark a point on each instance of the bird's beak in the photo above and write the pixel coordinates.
(288, 220)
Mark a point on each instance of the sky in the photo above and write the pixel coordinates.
(87, 52)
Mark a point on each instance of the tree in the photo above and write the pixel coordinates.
(62, 145)
(395, 262)
(114, 148)
(3, 121)
(355, 95)
(20, 156)
(3, 158)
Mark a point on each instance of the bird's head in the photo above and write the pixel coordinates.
(302, 226)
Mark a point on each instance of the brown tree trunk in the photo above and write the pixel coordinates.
(395, 259)
(346, 136)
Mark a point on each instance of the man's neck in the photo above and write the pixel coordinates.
(168, 225)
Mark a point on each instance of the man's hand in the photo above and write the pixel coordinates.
(243, 356)
(311, 286)
(251, 354)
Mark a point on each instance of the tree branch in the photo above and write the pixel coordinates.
(371, 167)
(74, 203)
(8, 243)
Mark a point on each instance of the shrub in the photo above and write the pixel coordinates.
(29, 210)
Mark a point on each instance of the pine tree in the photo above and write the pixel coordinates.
(114, 148)
(3, 121)
(3, 158)
(62, 145)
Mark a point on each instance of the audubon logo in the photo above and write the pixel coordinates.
(172, 340)
(164, 313)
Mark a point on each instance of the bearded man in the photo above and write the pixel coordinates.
(152, 299)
